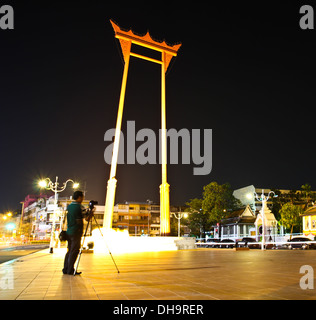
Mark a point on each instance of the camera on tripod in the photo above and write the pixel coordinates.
(92, 203)
(89, 211)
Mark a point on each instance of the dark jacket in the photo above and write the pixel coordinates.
(74, 219)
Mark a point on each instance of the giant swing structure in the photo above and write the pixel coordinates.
(126, 39)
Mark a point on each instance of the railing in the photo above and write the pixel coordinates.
(275, 238)
(238, 244)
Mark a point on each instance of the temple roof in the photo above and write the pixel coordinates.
(310, 211)
(242, 215)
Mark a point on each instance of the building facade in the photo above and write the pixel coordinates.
(140, 218)
(239, 224)
(309, 222)
(38, 214)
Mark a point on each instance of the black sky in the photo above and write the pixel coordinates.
(247, 71)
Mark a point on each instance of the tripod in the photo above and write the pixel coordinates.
(80, 252)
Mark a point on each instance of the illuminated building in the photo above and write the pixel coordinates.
(139, 218)
(39, 212)
(309, 222)
(239, 224)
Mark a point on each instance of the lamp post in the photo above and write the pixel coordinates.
(179, 216)
(264, 200)
(49, 185)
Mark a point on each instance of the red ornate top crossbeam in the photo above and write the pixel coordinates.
(145, 41)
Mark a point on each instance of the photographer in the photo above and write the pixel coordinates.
(75, 216)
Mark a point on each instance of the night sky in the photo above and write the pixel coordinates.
(246, 71)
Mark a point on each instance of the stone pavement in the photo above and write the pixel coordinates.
(200, 274)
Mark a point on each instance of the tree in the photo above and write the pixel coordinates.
(293, 195)
(173, 226)
(306, 190)
(290, 216)
(277, 203)
(218, 200)
(198, 220)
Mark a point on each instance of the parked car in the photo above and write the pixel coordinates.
(199, 243)
(303, 243)
(248, 240)
(226, 245)
(213, 243)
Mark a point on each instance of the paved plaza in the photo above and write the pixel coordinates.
(200, 274)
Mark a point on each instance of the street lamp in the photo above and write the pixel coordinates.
(264, 200)
(179, 216)
(6, 215)
(49, 185)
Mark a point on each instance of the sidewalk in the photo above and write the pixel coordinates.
(200, 274)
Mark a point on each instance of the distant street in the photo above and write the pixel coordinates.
(7, 254)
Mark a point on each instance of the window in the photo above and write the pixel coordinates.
(306, 223)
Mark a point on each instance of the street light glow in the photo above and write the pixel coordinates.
(75, 185)
(10, 226)
(42, 183)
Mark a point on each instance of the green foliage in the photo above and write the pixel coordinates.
(173, 226)
(277, 203)
(197, 220)
(217, 201)
(290, 215)
(306, 191)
